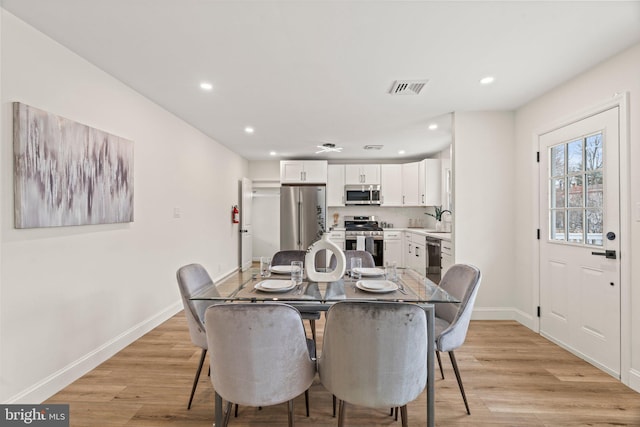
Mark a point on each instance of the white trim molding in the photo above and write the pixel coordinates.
(634, 380)
(55, 382)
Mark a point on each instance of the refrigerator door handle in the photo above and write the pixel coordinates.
(299, 224)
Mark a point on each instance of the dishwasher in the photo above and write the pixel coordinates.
(434, 264)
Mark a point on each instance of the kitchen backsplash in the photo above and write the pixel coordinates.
(400, 217)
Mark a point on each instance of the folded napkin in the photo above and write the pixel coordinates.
(360, 243)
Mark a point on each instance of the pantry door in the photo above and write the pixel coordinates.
(580, 238)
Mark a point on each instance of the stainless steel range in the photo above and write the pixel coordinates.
(368, 227)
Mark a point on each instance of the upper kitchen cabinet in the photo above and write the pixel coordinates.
(362, 174)
(429, 182)
(335, 185)
(391, 185)
(303, 172)
(410, 184)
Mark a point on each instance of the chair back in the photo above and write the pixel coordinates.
(192, 279)
(286, 257)
(374, 354)
(367, 259)
(461, 281)
(259, 353)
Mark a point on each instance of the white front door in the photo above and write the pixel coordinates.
(580, 239)
(246, 230)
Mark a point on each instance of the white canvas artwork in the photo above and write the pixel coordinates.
(67, 173)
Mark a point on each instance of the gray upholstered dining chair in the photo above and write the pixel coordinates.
(193, 278)
(260, 355)
(452, 320)
(367, 259)
(374, 354)
(285, 258)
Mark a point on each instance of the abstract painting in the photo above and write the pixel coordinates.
(67, 173)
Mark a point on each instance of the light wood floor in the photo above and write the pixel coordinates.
(513, 377)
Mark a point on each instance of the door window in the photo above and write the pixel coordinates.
(576, 191)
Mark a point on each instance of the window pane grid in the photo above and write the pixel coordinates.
(576, 191)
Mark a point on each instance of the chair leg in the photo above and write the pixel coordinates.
(440, 364)
(312, 323)
(227, 414)
(341, 414)
(306, 400)
(457, 372)
(290, 413)
(334, 406)
(391, 412)
(403, 415)
(236, 411)
(396, 412)
(195, 380)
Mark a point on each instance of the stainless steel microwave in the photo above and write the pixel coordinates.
(362, 195)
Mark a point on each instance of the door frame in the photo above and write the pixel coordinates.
(620, 100)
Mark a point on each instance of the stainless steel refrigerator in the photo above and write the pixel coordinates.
(302, 216)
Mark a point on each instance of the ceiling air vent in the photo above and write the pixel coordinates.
(373, 147)
(407, 87)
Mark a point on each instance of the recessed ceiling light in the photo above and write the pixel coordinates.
(487, 80)
(272, 153)
(433, 126)
(206, 86)
(249, 129)
(401, 152)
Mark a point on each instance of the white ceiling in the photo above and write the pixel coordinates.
(303, 73)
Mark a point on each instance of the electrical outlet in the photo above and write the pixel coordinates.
(638, 211)
(176, 212)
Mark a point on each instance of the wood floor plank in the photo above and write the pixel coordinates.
(513, 377)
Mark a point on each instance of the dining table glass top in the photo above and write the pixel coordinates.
(250, 286)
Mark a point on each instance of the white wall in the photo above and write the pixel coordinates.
(72, 296)
(484, 228)
(619, 74)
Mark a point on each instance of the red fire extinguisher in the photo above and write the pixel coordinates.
(235, 214)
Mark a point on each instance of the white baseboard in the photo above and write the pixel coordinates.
(55, 382)
(634, 380)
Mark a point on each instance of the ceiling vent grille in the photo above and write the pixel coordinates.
(408, 87)
(373, 147)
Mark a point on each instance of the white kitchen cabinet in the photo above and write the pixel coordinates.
(408, 257)
(393, 248)
(429, 182)
(335, 185)
(420, 262)
(362, 174)
(446, 255)
(391, 185)
(303, 172)
(415, 255)
(410, 184)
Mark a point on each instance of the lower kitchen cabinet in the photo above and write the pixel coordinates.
(393, 248)
(446, 255)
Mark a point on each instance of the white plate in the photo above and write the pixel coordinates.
(281, 269)
(275, 285)
(380, 286)
(369, 271)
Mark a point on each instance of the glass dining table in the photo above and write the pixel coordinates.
(309, 296)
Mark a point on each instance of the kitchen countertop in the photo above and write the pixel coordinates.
(424, 232)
